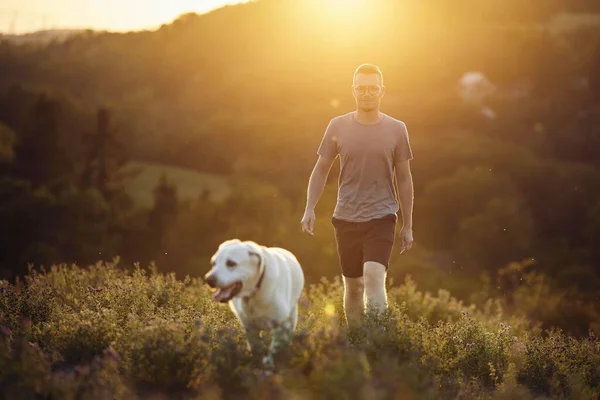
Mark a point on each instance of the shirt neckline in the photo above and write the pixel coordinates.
(379, 121)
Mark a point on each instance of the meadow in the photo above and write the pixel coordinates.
(107, 332)
(192, 184)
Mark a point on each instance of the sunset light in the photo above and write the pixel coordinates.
(343, 9)
(255, 199)
(344, 23)
(18, 16)
(351, 13)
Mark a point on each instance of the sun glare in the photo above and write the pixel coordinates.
(345, 22)
(345, 11)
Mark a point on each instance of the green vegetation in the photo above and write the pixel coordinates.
(105, 332)
(191, 184)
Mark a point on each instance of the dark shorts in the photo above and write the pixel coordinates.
(358, 242)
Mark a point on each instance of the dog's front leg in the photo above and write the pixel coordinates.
(282, 336)
(253, 341)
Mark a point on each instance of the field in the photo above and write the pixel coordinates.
(190, 183)
(106, 333)
(143, 178)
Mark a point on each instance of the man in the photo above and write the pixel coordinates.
(372, 147)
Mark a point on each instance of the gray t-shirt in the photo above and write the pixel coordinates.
(368, 154)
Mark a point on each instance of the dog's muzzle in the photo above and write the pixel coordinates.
(210, 280)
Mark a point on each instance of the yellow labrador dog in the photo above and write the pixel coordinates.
(262, 286)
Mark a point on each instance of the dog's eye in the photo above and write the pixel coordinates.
(231, 263)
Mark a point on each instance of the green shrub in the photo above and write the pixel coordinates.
(556, 365)
(106, 332)
(466, 353)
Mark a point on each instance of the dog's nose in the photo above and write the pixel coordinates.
(210, 280)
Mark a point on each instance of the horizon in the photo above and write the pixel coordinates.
(18, 17)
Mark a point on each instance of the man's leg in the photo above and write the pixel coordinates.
(374, 283)
(354, 305)
(349, 238)
(377, 251)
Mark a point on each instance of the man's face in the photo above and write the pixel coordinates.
(368, 91)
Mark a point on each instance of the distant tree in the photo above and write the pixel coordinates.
(592, 233)
(477, 215)
(162, 216)
(42, 227)
(7, 143)
(14, 105)
(594, 75)
(579, 141)
(40, 155)
(105, 155)
(165, 203)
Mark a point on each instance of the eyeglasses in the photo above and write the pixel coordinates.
(372, 89)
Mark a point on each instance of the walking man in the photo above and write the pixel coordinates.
(373, 147)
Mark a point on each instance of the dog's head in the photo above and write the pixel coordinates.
(235, 269)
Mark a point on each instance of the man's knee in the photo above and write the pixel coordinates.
(374, 274)
(354, 286)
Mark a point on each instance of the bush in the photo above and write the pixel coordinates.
(105, 332)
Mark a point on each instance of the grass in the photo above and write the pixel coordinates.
(104, 332)
(190, 183)
(143, 178)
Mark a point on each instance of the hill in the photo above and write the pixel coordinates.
(42, 37)
(104, 332)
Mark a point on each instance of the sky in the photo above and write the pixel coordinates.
(20, 16)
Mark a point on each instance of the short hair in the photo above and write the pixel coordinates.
(368, 69)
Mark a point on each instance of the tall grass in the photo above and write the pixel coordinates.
(108, 333)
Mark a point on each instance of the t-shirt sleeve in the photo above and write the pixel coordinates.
(329, 143)
(403, 150)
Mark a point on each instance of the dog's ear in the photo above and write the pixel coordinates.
(255, 256)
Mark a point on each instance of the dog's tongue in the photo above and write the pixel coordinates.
(224, 294)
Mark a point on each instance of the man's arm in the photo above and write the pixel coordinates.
(317, 180)
(404, 182)
(316, 184)
(327, 151)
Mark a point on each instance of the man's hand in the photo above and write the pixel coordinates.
(406, 239)
(308, 222)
